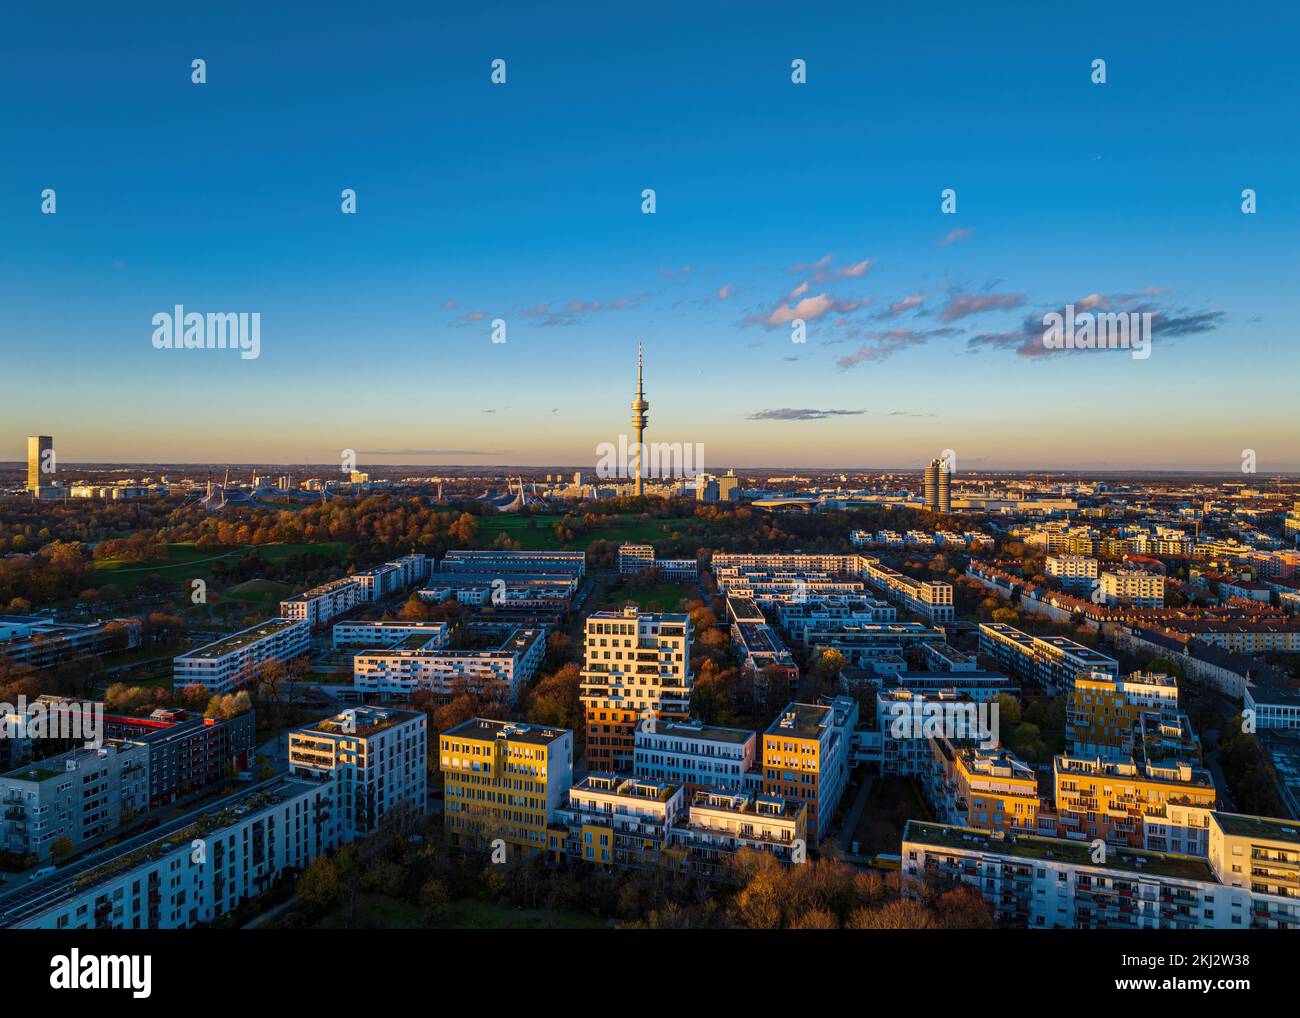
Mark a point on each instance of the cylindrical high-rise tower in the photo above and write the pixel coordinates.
(639, 408)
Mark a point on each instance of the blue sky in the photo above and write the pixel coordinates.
(523, 202)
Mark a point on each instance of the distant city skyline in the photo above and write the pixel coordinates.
(774, 201)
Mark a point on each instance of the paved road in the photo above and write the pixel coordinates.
(855, 813)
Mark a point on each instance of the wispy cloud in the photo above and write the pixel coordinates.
(961, 305)
(882, 345)
(1168, 322)
(806, 414)
(574, 311)
(953, 236)
(823, 269)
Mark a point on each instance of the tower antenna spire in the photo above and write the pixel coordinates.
(639, 408)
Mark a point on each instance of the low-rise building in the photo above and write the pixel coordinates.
(234, 661)
(693, 754)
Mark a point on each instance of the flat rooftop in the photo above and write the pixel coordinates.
(801, 720)
(514, 731)
(713, 733)
(360, 721)
(234, 641)
(1074, 853)
(1265, 828)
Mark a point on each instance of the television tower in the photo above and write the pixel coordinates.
(639, 408)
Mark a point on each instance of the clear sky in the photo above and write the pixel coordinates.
(523, 202)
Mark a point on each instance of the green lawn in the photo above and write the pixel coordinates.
(186, 562)
(617, 529)
(257, 592)
(666, 597)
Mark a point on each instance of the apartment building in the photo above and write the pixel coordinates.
(801, 620)
(789, 562)
(1053, 883)
(1110, 799)
(392, 577)
(374, 758)
(932, 599)
(1052, 662)
(234, 660)
(693, 754)
(192, 874)
(573, 562)
(321, 605)
(716, 825)
(72, 799)
(347, 635)
(988, 789)
(633, 558)
(40, 641)
(504, 780)
(1133, 588)
(806, 757)
(187, 752)
(550, 591)
(763, 657)
(1260, 855)
(423, 662)
(772, 588)
(1103, 709)
(1076, 572)
(614, 820)
(637, 666)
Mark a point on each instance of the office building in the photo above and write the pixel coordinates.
(938, 496)
(40, 463)
(503, 780)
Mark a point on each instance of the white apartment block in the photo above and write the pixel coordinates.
(374, 758)
(1076, 572)
(197, 873)
(79, 796)
(1054, 662)
(321, 605)
(1133, 588)
(613, 820)
(574, 562)
(633, 558)
(390, 634)
(695, 755)
(233, 660)
(932, 599)
(1247, 881)
(717, 824)
(392, 577)
(501, 673)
